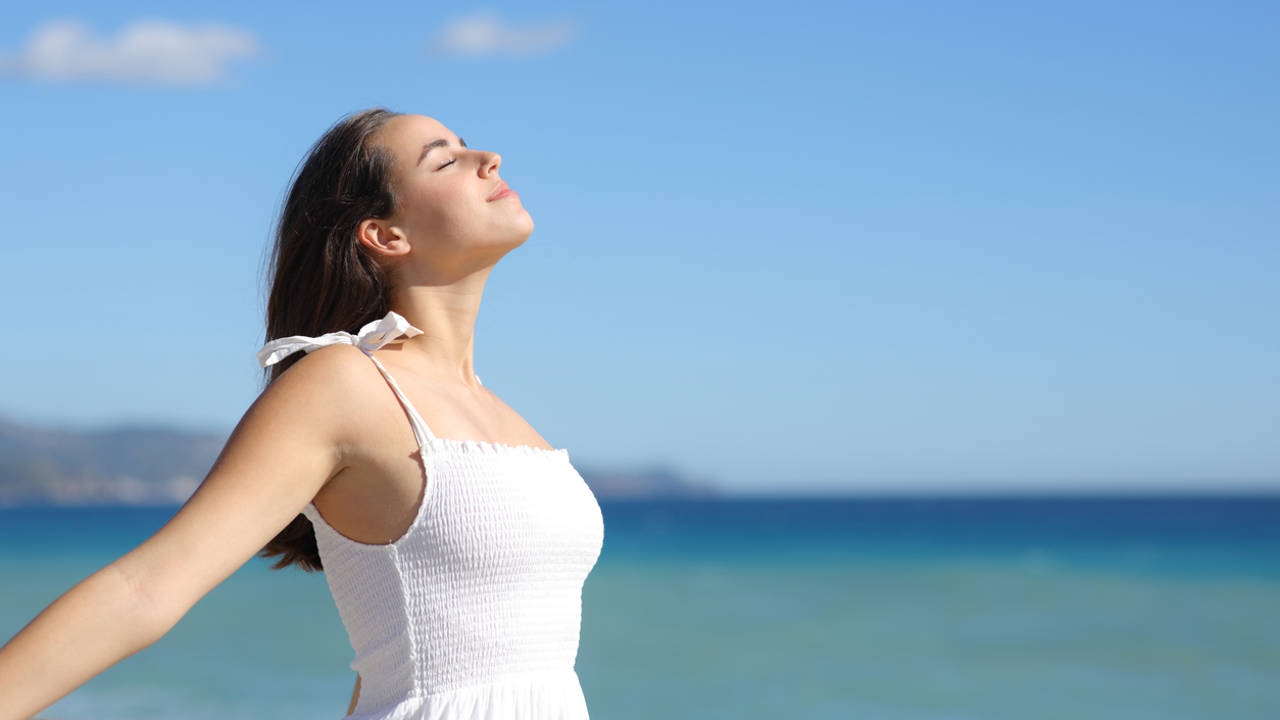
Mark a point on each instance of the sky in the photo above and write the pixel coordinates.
(827, 248)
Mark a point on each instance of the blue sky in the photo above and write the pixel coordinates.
(821, 247)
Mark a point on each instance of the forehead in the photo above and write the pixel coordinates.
(405, 135)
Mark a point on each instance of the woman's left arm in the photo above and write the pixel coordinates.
(355, 694)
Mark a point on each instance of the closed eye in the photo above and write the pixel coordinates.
(446, 165)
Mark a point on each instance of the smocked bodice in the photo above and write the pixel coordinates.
(475, 611)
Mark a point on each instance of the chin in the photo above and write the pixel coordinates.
(511, 232)
(527, 227)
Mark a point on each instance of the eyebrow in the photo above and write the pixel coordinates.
(438, 142)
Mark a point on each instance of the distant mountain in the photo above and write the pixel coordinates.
(637, 484)
(156, 465)
(125, 465)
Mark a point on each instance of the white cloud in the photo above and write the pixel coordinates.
(483, 34)
(153, 52)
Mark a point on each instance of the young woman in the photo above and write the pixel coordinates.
(454, 539)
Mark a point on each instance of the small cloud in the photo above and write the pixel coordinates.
(151, 52)
(483, 34)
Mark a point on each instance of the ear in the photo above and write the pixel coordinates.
(382, 237)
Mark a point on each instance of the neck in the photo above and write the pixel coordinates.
(446, 315)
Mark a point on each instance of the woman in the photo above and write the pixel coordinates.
(454, 539)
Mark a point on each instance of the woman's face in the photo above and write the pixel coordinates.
(443, 192)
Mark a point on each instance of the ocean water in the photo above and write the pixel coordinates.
(920, 609)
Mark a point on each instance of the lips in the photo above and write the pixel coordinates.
(502, 187)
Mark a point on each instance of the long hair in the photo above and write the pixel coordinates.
(322, 278)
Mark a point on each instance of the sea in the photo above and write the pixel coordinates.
(907, 608)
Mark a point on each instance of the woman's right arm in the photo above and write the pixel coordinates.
(285, 448)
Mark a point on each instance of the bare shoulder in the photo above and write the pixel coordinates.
(332, 382)
(333, 369)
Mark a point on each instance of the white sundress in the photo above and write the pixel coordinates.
(474, 613)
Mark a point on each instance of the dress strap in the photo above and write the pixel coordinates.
(371, 337)
(420, 429)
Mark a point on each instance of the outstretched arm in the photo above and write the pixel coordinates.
(98, 622)
(285, 448)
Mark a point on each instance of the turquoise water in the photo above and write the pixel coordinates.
(920, 609)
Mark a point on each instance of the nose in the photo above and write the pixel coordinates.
(491, 162)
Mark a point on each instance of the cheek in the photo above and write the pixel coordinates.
(428, 205)
(445, 212)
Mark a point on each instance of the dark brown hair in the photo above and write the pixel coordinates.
(322, 278)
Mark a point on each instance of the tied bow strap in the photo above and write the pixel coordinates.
(372, 336)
